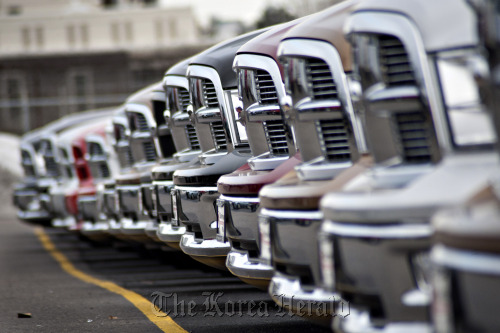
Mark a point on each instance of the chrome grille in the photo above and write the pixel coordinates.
(414, 137)
(48, 156)
(149, 151)
(334, 139)
(27, 163)
(218, 135)
(194, 143)
(104, 170)
(64, 154)
(210, 95)
(266, 89)
(394, 62)
(95, 149)
(140, 122)
(119, 132)
(276, 137)
(320, 79)
(125, 157)
(183, 99)
(26, 157)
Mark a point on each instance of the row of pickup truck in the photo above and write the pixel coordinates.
(348, 157)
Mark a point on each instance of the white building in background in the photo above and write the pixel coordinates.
(63, 56)
(80, 26)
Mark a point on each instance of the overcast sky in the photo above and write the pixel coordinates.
(243, 10)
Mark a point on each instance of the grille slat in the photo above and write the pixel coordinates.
(319, 76)
(48, 156)
(119, 132)
(218, 135)
(149, 151)
(104, 170)
(334, 137)
(276, 137)
(394, 62)
(414, 137)
(209, 94)
(194, 143)
(266, 88)
(183, 99)
(140, 123)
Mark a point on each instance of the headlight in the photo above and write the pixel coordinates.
(469, 120)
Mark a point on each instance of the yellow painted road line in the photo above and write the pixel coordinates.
(160, 319)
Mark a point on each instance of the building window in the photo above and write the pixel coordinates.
(84, 32)
(129, 32)
(14, 10)
(39, 37)
(159, 31)
(70, 35)
(25, 35)
(115, 33)
(173, 28)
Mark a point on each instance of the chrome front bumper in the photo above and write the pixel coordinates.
(238, 224)
(163, 199)
(96, 228)
(377, 271)
(196, 209)
(87, 207)
(469, 281)
(67, 222)
(294, 250)
(35, 207)
(288, 293)
(132, 220)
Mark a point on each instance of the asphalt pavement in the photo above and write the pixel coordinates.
(37, 295)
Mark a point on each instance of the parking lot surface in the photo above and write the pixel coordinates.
(38, 295)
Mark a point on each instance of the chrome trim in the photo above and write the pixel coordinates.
(328, 53)
(251, 200)
(404, 29)
(291, 215)
(319, 168)
(399, 231)
(259, 62)
(170, 233)
(131, 227)
(206, 248)
(239, 264)
(286, 291)
(470, 261)
(266, 161)
(65, 222)
(205, 72)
